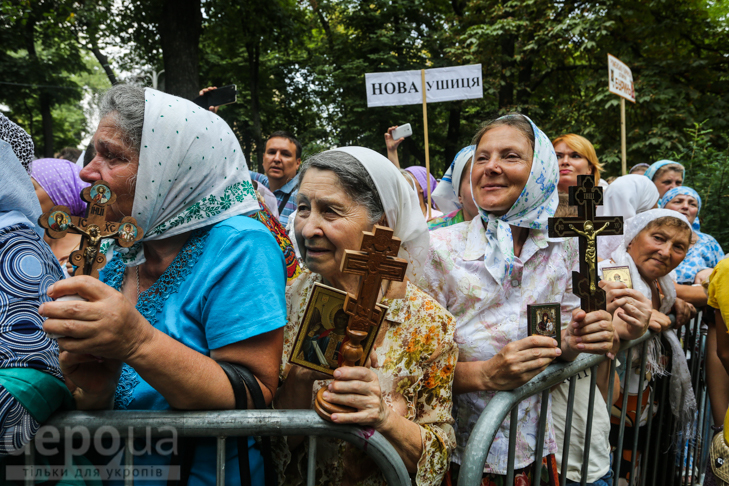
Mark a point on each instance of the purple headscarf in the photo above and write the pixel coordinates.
(420, 175)
(60, 179)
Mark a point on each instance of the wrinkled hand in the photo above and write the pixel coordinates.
(107, 326)
(703, 275)
(520, 361)
(659, 321)
(631, 306)
(391, 143)
(684, 312)
(87, 374)
(214, 109)
(359, 388)
(589, 333)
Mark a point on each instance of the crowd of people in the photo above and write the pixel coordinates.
(230, 259)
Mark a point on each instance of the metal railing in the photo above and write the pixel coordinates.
(684, 461)
(232, 423)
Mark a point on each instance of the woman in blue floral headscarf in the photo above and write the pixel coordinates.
(705, 251)
(486, 272)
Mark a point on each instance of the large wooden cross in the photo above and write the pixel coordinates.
(93, 228)
(587, 226)
(375, 261)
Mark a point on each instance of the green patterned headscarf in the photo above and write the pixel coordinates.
(192, 172)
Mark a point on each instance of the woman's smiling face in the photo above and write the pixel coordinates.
(328, 221)
(501, 167)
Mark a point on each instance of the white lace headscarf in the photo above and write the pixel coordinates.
(192, 172)
(536, 204)
(401, 205)
(449, 188)
(681, 395)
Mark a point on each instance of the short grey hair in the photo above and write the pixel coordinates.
(126, 104)
(353, 177)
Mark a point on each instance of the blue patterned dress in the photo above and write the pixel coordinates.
(27, 269)
(705, 253)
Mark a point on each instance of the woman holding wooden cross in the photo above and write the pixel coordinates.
(486, 272)
(404, 390)
(171, 306)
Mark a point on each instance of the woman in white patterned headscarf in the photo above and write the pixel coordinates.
(186, 295)
(343, 192)
(486, 272)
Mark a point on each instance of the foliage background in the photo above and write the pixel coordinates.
(299, 66)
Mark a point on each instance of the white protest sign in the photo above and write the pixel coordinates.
(621, 79)
(442, 84)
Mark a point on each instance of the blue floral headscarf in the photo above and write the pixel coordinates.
(653, 169)
(536, 204)
(683, 191)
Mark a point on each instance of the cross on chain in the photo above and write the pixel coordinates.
(374, 262)
(93, 228)
(587, 227)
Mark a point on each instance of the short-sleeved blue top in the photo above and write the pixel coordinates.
(226, 285)
(705, 253)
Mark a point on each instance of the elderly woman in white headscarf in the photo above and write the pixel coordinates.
(453, 194)
(185, 296)
(486, 272)
(404, 390)
(654, 244)
(627, 196)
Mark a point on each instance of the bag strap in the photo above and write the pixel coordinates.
(242, 381)
(283, 202)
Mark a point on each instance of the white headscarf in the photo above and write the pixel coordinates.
(192, 172)
(536, 204)
(620, 255)
(18, 202)
(681, 395)
(626, 196)
(402, 208)
(449, 188)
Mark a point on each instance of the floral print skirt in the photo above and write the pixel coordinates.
(522, 477)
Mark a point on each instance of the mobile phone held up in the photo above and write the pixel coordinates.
(402, 131)
(218, 97)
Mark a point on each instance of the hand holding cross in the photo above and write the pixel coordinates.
(586, 196)
(93, 228)
(375, 261)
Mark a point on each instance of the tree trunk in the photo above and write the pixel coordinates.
(506, 92)
(254, 68)
(44, 97)
(454, 132)
(179, 28)
(104, 61)
(45, 106)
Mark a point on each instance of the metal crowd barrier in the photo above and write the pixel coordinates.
(232, 423)
(683, 463)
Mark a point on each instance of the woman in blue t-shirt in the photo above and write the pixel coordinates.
(205, 283)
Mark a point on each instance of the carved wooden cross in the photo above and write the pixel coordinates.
(93, 228)
(374, 262)
(587, 226)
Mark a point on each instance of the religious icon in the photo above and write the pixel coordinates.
(544, 320)
(323, 331)
(93, 228)
(128, 232)
(59, 220)
(100, 194)
(618, 274)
